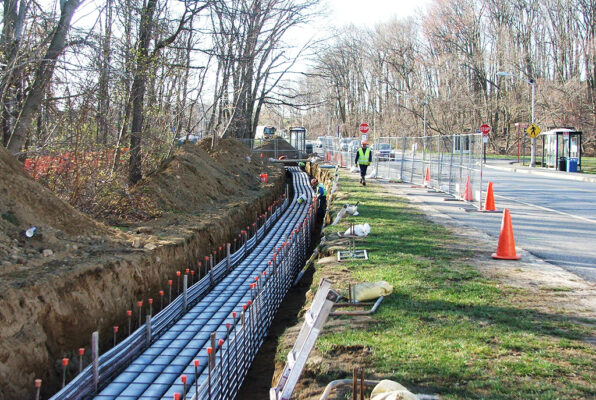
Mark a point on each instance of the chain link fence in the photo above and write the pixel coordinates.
(448, 163)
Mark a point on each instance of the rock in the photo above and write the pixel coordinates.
(151, 246)
(144, 229)
(136, 243)
(75, 247)
(47, 252)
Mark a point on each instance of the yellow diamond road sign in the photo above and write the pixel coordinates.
(533, 131)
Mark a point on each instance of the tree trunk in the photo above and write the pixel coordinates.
(138, 92)
(104, 79)
(43, 75)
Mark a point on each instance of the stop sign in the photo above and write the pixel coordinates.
(485, 129)
(363, 127)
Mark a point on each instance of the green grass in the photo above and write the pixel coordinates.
(589, 165)
(502, 156)
(448, 330)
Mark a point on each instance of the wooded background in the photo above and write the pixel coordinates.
(448, 58)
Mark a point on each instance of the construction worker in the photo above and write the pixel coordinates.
(363, 160)
(321, 193)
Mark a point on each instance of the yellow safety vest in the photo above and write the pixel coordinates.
(364, 157)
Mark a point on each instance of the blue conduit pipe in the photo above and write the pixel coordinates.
(263, 270)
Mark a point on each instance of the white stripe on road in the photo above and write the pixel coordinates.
(547, 209)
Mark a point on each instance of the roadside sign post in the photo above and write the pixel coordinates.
(533, 130)
(485, 129)
(364, 130)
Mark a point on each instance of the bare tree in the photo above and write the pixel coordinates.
(43, 75)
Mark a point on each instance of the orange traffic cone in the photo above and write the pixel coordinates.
(489, 204)
(427, 178)
(468, 196)
(506, 246)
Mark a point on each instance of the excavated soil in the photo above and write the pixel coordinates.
(76, 276)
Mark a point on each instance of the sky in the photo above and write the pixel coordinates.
(371, 12)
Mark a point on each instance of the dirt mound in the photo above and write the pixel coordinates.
(24, 204)
(198, 176)
(277, 147)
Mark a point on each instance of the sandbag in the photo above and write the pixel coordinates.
(352, 209)
(373, 173)
(371, 290)
(389, 390)
(361, 230)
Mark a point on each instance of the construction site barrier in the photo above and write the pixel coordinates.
(314, 319)
(451, 164)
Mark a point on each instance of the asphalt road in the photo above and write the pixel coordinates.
(553, 218)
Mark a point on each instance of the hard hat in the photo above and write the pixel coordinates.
(314, 181)
(364, 142)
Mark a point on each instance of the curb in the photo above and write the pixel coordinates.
(551, 174)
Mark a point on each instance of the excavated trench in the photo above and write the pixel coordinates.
(98, 298)
(54, 314)
(50, 313)
(266, 368)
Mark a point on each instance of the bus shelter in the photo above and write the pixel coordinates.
(561, 149)
(298, 139)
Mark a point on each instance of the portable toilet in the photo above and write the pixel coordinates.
(561, 149)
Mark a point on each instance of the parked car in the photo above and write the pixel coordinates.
(344, 144)
(383, 151)
(354, 145)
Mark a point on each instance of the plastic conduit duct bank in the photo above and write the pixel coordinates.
(156, 373)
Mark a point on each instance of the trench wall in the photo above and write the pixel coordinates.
(49, 320)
